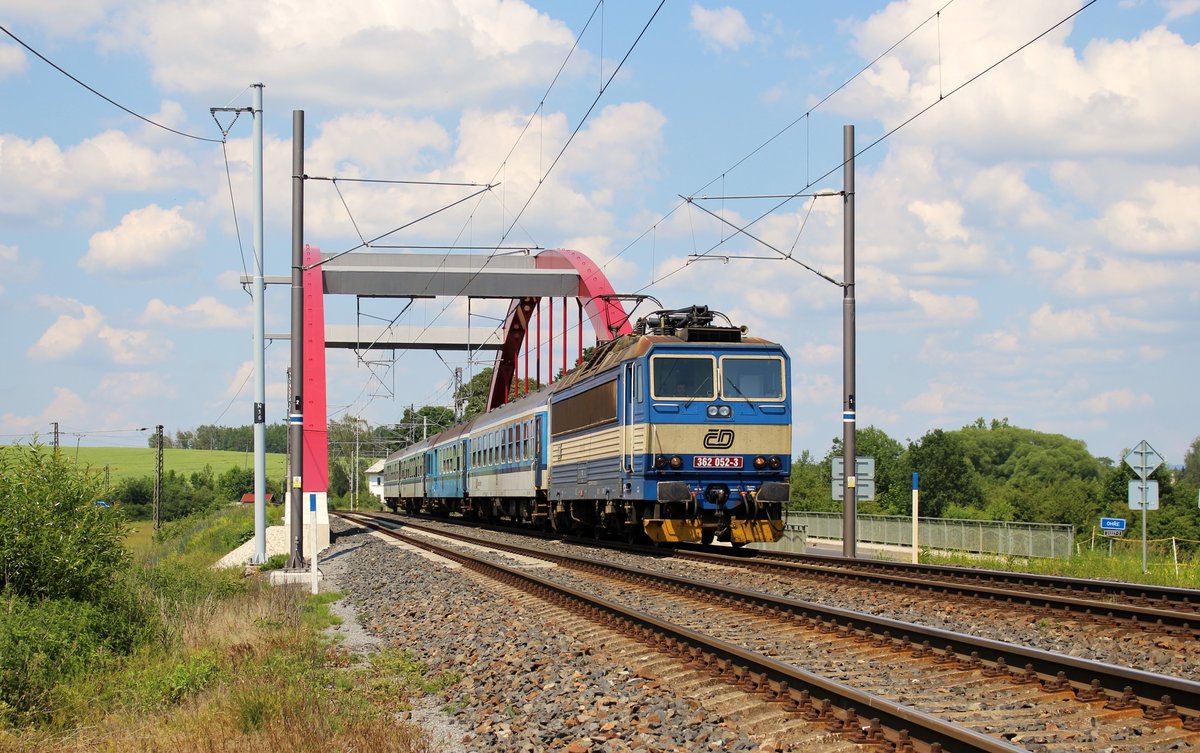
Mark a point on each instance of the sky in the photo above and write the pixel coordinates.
(1027, 240)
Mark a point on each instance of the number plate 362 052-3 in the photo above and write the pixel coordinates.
(718, 461)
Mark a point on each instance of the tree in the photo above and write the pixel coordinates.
(474, 394)
(1191, 465)
(893, 492)
(810, 485)
(946, 475)
(235, 482)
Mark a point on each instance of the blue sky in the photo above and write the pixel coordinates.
(1028, 248)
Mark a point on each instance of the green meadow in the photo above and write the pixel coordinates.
(133, 462)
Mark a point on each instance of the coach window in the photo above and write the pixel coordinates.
(639, 391)
(683, 377)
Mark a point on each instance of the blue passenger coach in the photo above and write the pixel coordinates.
(678, 432)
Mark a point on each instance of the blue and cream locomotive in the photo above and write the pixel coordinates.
(678, 432)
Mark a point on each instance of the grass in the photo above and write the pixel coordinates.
(135, 462)
(240, 666)
(1124, 566)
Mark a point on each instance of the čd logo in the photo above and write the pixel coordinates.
(719, 439)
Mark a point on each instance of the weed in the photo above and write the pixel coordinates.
(275, 562)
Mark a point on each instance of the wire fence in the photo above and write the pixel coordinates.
(1047, 540)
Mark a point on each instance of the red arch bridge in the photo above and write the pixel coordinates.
(535, 318)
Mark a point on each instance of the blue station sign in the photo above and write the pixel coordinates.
(1113, 525)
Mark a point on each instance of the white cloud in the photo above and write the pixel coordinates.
(620, 146)
(1158, 217)
(813, 353)
(206, 313)
(1177, 9)
(1112, 89)
(1117, 401)
(129, 347)
(1046, 325)
(98, 165)
(66, 407)
(999, 341)
(68, 333)
(942, 219)
(239, 379)
(81, 324)
(723, 27)
(134, 386)
(375, 53)
(13, 268)
(955, 309)
(12, 60)
(61, 16)
(1090, 274)
(939, 399)
(148, 241)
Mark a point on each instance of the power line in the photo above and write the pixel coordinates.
(574, 133)
(541, 180)
(111, 101)
(941, 98)
(805, 117)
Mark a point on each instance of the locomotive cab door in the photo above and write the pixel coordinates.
(626, 409)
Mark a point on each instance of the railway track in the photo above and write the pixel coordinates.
(959, 691)
(1173, 611)
(1155, 610)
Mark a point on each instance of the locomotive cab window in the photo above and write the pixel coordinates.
(682, 377)
(752, 378)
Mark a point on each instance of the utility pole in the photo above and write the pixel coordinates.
(260, 380)
(257, 296)
(459, 397)
(55, 441)
(354, 478)
(850, 482)
(296, 417)
(158, 473)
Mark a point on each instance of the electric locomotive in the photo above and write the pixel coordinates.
(679, 432)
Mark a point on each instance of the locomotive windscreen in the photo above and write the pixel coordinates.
(751, 378)
(683, 376)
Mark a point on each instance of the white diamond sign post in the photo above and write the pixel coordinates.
(1144, 460)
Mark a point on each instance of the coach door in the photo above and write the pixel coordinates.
(464, 453)
(538, 455)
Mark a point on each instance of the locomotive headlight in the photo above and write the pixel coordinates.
(660, 462)
(676, 462)
(725, 411)
(775, 463)
(759, 463)
(712, 411)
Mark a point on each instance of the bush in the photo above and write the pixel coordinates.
(44, 643)
(55, 542)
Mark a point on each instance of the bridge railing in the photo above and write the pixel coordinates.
(1020, 539)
